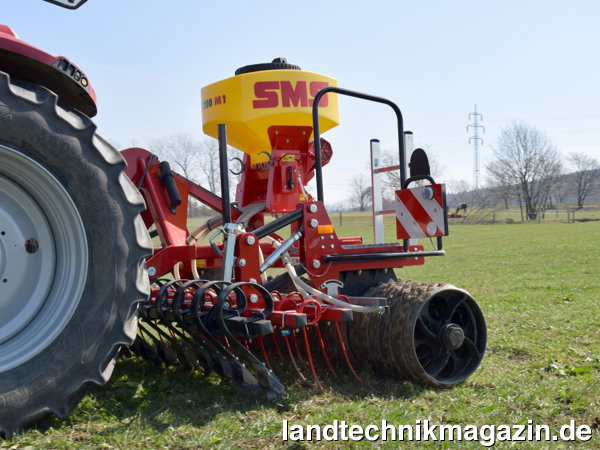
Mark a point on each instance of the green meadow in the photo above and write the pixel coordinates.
(538, 287)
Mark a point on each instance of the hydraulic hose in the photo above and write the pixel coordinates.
(308, 291)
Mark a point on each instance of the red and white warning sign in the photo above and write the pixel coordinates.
(421, 212)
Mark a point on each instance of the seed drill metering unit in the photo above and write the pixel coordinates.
(267, 279)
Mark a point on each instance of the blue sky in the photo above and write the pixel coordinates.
(532, 61)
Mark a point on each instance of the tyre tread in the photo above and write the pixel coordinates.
(39, 104)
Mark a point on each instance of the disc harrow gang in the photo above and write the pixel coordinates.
(432, 334)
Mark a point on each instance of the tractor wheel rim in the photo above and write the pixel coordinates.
(43, 258)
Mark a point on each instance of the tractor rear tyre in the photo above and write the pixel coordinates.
(72, 248)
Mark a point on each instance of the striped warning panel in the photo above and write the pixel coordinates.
(421, 212)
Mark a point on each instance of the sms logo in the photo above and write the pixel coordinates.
(271, 94)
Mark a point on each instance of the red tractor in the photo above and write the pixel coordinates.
(268, 274)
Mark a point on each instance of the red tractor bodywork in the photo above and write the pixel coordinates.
(57, 73)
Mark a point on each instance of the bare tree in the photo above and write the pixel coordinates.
(182, 152)
(360, 191)
(501, 185)
(195, 159)
(586, 176)
(457, 186)
(526, 159)
(210, 165)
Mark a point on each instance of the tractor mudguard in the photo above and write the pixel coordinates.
(26, 62)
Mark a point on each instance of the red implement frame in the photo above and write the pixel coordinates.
(315, 247)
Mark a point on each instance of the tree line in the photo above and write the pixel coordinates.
(526, 171)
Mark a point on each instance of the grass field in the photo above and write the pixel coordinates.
(538, 287)
(562, 213)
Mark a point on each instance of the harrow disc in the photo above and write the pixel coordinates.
(433, 334)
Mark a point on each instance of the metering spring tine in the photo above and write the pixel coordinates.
(339, 333)
(323, 350)
(296, 346)
(317, 315)
(261, 344)
(310, 361)
(277, 344)
(285, 333)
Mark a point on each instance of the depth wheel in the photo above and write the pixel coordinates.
(433, 334)
(72, 248)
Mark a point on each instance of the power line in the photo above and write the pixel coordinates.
(476, 140)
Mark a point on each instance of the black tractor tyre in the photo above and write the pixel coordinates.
(72, 249)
